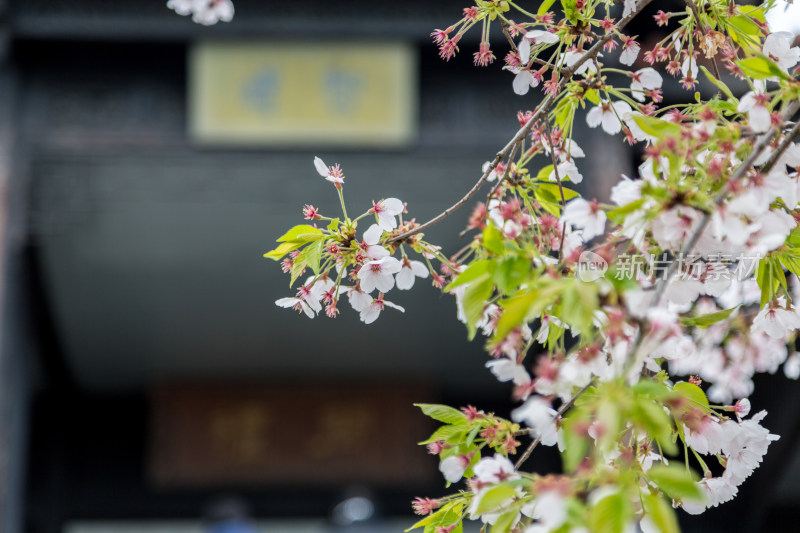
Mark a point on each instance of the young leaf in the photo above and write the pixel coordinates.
(495, 497)
(697, 398)
(676, 482)
(442, 413)
(611, 514)
(703, 321)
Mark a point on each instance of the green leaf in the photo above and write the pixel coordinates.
(578, 304)
(618, 215)
(302, 233)
(656, 423)
(790, 258)
(570, 11)
(505, 522)
(448, 514)
(770, 277)
(553, 189)
(761, 67)
(697, 398)
(511, 272)
(334, 225)
(611, 514)
(442, 413)
(593, 96)
(703, 321)
(651, 388)
(476, 270)
(495, 497)
(744, 26)
(312, 255)
(522, 308)
(576, 444)
(298, 267)
(676, 482)
(283, 249)
(661, 514)
(657, 127)
(493, 239)
(547, 4)
(719, 84)
(475, 298)
(448, 433)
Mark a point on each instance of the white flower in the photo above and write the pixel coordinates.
(409, 271)
(572, 58)
(359, 300)
(495, 469)
(299, 305)
(671, 227)
(523, 81)
(566, 170)
(371, 312)
(181, 7)
(332, 174)
(689, 67)
(540, 417)
(541, 36)
(630, 7)
(505, 369)
(370, 241)
(755, 104)
(206, 12)
(385, 211)
(645, 79)
(378, 274)
(791, 368)
(453, 467)
(586, 215)
(778, 47)
(776, 322)
(609, 115)
(629, 54)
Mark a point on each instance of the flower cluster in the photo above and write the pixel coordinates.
(362, 268)
(205, 12)
(596, 360)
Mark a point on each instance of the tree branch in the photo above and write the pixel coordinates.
(541, 110)
(561, 410)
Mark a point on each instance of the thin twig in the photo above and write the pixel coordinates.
(560, 189)
(542, 109)
(506, 174)
(561, 410)
(705, 29)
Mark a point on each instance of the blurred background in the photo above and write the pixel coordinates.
(148, 383)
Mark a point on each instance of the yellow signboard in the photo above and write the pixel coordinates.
(288, 94)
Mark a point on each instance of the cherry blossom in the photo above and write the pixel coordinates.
(644, 79)
(370, 241)
(372, 311)
(609, 115)
(205, 12)
(540, 417)
(505, 369)
(585, 215)
(776, 321)
(378, 274)
(333, 174)
(452, 468)
(409, 271)
(755, 104)
(385, 211)
(779, 47)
